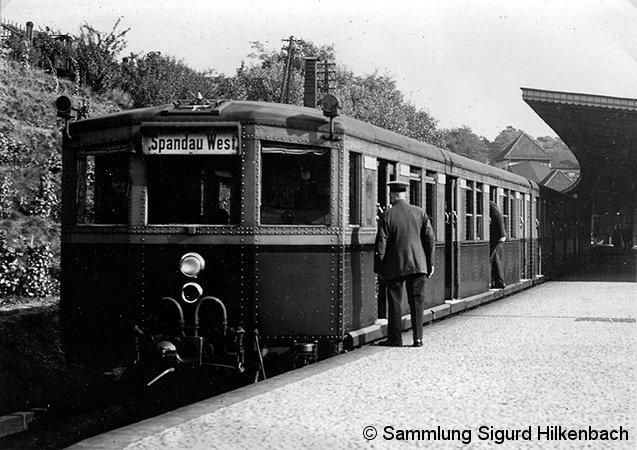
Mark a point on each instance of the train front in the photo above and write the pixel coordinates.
(153, 259)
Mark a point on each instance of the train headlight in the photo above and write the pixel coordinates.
(191, 292)
(191, 264)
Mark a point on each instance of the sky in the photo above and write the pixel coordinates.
(464, 62)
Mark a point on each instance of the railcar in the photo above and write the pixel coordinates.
(202, 232)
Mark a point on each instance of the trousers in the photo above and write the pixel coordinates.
(416, 297)
(497, 272)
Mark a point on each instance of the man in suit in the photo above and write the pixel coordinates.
(404, 256)
(497, 236)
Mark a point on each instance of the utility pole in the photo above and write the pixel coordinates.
(325, 76)
(285, 85)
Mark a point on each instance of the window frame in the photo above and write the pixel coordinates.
(415, 186)
(272, 148)
(81, 188)
(469, 211)
(206, 191)
(355, 198)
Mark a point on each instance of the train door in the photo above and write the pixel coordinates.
(386, 172)
(520, 200)
(451, 238)
(415, 186)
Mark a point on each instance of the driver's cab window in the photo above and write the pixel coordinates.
(186, 189)
(102, 189)
(295, 186)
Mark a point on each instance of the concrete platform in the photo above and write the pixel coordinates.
(550, 367)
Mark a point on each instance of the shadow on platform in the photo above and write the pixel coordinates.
(607, 264)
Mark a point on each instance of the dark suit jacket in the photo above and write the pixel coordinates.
(496, 227)
(405, 242)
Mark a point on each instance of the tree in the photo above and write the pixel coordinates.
(465, 142)
(376, 99)
(555, 147)
(97, 54)
(154, 79)
(504, 138)
(260, 77)
(423, 127)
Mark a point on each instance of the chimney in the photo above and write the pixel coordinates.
(30, 32)
(309, 92)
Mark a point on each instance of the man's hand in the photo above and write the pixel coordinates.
(431, 272)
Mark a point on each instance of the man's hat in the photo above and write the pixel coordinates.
(397, 186)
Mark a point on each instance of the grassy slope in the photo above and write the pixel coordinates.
(32, 368)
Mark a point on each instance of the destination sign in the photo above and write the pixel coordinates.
(207, 141)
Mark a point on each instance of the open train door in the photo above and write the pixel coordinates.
(386, 172)
(525, 222)
(451, 238)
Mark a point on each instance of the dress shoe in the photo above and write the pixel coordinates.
(417, 343)
(388, 343)
(498, 286)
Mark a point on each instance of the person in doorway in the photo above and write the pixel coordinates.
(628, 237)
(497, 236)
(404, 255)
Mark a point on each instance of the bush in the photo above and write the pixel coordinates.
(7, 197)
(10, 271)
(14, 153)
(46, 202)
(36, 279)
(28, 271)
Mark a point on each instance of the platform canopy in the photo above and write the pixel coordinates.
(602, 133)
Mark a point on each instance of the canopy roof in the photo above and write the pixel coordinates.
(602, 133)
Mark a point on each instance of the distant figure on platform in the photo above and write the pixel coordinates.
(497, 236)
(628, 238)
(404, 254)
(617, 236)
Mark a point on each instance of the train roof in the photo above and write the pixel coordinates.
(292, 116)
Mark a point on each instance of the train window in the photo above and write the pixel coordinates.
(102, 189)
(506, 210)
(513, 212)
(295, 187)
(193, 189)
(386, 172)
(355, 188)
(430, 194)
(479, 211)
(469, 212)
(415, 186)
(493, 194)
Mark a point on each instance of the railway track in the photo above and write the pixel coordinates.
(60, 424)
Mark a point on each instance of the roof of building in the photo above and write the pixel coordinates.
(557, 180)
(524, 148)
(565, 164)
(533, 170)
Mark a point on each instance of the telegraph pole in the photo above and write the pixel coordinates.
(325, 76)
(285, 84)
